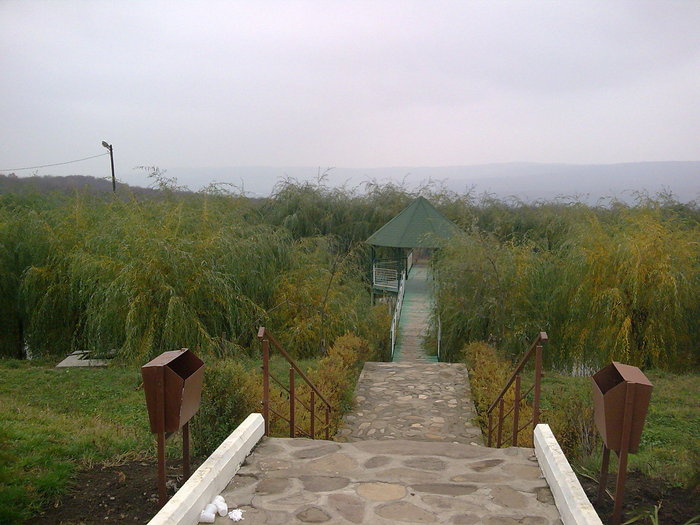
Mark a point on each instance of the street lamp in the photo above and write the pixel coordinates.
(111, 159)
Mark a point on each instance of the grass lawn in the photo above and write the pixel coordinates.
(57, 420)
(54, 421)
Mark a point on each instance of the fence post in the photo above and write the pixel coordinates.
(538, 380)
(266, 384)
(312, 429)
(516, 410)
(500, 423)
(292, 400)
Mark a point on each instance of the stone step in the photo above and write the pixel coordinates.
(412, 400)
(381, 482)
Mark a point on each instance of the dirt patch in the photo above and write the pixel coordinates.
(123, 494)
(678, 505)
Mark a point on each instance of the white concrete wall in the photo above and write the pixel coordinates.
(212, 476)
(572, 502)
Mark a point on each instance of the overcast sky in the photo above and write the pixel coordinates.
(347, 83)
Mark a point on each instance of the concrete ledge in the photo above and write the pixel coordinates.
(572, 502)
(212, 476)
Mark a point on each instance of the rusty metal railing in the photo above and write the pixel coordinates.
(518, 396)
(266, 338)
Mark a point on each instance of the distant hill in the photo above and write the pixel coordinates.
(65, 184)
(527, 181)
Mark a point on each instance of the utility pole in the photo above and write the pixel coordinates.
(111, 159)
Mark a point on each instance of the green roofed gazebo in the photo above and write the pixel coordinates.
(419, 225)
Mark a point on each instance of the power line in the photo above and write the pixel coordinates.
(57, 164)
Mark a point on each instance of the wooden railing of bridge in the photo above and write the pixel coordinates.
(518, 396)
(266, 340)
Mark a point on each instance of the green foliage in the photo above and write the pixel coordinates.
(140, 277)
(488, 373)
(322, 296)
(669, 446)
(231, 393)
(606, 284)
(311, 209)
(335, 377)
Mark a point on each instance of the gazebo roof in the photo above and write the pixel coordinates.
(419, 225)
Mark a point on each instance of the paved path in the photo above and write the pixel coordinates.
(414, 318)
(421, 401)
(381, 482)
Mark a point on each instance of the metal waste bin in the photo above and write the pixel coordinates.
(611, 387)
(621, 395)
(172, 383)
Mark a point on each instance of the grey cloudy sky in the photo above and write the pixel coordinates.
(351, 84)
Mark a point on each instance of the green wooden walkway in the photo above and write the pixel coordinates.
(413, 323)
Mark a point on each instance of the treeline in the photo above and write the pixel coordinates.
(142, 275)
(606, 283)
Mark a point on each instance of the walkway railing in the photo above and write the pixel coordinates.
(266, 338)
(515, 381)
(397, 313)
(385, 275)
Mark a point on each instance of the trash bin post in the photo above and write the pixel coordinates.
(621, 395)
(172, 384)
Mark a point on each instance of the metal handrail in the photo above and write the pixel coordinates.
(397, 313)
(536, 349)
(439, 336)
(266, 338)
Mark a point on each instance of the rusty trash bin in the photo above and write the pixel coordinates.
(172, 383)
(621, 395)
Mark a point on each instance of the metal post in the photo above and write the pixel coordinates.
(603, 479)
(160, 411)
(622, 455)
(266, 384)
(538, 380)
(186, 450)
(111, 160)
(516, 410)
(500, 423)
(312, 428)
(490, 428)
(292, 401)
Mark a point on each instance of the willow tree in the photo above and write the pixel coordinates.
(637, 287)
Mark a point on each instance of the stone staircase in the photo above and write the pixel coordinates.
(410, 452)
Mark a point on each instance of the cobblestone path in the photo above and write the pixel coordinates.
(421, 401)
(382, 482)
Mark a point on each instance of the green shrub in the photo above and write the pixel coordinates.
(335, 377)
(488, 373)
(231, 393)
